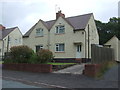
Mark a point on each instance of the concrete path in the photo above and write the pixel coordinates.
(76, 69)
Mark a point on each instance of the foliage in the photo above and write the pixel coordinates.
(19, 54)
(105, 67)
(44, 56)
(109, 29)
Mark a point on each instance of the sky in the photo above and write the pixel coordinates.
(25, 13)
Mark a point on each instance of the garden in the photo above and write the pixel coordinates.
(23, 58)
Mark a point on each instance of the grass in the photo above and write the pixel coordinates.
(60, 63)
(105, 68)
(1, 62)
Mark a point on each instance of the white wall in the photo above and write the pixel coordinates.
(114, 44)
(15, 39)
(34, 40)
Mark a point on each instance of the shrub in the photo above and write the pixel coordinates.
(21, 54)
(44, 56)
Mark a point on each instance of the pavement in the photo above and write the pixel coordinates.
(63, 80)
(76, 69)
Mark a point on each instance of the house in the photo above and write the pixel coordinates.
(9, 37)
(114, 43)
(67, 38)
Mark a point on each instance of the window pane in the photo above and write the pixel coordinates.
(39, 47)
(60, 29)
(61, 47)
(39, 32)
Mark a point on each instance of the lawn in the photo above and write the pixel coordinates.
(60, 63)
(0, 62)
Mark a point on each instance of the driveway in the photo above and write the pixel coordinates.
(57, 80)
(76, 69)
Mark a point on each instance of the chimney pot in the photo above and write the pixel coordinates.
(59, 14)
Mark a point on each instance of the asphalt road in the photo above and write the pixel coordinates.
(53, 80)
(15, 84)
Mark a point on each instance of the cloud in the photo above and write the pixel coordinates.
(25, 13)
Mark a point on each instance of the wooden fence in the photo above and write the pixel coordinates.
(100, 54)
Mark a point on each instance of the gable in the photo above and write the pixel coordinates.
(39, 24)
(5, 32)
(76, 22)
(113, 40)
(61, 21)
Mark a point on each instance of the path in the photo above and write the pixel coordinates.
(76, 69)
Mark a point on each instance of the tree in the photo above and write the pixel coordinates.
(108, 30)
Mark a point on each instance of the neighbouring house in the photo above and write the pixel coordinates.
(67, 38)
(9, 37)
(114, 43)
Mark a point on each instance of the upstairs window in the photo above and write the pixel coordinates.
(39, 47)
(60, 29)
(39, 32)
(60, 47)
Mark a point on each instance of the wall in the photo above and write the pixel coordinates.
(34, 40)
(15, 39)
(114, 44)
(119, 50)
(93, 35)
(68, 39)
(0, 48)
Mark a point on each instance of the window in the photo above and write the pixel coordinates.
(79, 48)
(16, 41)
(39, 32)
(60, 48)
(39, 47)
(60, 29)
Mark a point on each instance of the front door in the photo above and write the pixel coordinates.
(78, 51)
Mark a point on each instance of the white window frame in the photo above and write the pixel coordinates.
(60, 29)
(58, 47)
(39, 32)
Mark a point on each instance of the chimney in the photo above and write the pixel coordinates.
(2, 27)
(59, 14)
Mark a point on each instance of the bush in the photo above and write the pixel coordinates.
(44, 56)
(20, 54)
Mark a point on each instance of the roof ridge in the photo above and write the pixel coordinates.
(11, 28)
(70, 17)
(79, 15)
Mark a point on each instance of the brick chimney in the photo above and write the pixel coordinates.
(59, 14)
(2, 27)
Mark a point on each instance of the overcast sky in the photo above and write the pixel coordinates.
(25, 13)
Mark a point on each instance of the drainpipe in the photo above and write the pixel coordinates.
(48, 39)
(85, 44)
(2, 49)
(8, 44)
(88, 41)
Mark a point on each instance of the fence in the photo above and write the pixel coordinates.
(100, 54)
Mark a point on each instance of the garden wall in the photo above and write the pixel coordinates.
(45, 68)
